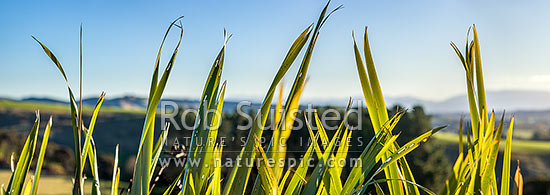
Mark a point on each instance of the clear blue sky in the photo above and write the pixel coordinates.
(410, 42)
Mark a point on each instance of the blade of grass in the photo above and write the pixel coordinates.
(200, 136)
(28, 187)
(216, 188)
(315, 180)
(405, 149)
(88, 138)
(41, 155)
(505, 185)
(244, 172)
(80, 122)
(377, 109)
(323, 177)
(173, 185)
(142, 170)
(269, 183)
(17, 180)
(209, 155)
(238, 184)
(361, 170)
(77, 187)
(479, 76)
(95, 171)
(158, 148)
(518, 179)
(277, 147)
(231, 177)
(116, 174)
(295, 184)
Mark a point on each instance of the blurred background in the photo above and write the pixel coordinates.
(417, 69)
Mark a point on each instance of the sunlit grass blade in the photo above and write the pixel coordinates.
(116, 174)
(342, 151)
(88, 138)
(243, 173)
(505, 185)
(331, 178)
(231, 177)
(154, 80)
(373, 78)
(201, 130)
(314, 182)
(475, 173)
(378, 113)
(279, 106)
(284, 179)
(367, 160)
(17, 180)
(297, 179)
(158, 148)
(407, 176)
(488, 179)
(268, 181)
(322, 132)
(12, 163)
(460, 137)
(191, 184)
(479, 76)
(274, 148)
(92, 159)
(238, 184)
(95, 171)
(405, 149)
(365, 86)
(281, 132)
(207, 156)
(142, 168)
(216, 188)
(285, 127)
(452, 181)
(518, 179)
(28, 187)
(316, 147)
(386, 146)
(78, 182)
(41, 155)
(173, 185)
(487, 174)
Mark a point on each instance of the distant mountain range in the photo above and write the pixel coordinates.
(511, 100)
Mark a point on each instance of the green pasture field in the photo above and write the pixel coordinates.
(58, 108)
(520, 146)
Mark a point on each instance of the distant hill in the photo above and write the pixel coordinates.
(126, 102)
(511, 100)
(43, 100)
(139, 103)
